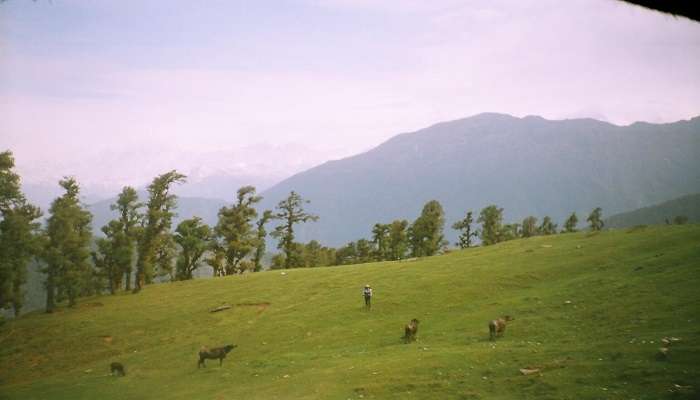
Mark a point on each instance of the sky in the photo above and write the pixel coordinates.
(115, 92)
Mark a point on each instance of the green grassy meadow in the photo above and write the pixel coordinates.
(590, 310)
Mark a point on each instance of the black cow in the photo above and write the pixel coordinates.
(213, 354)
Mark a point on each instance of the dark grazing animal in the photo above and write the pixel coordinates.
(410, 331)
(213, 354)
(498, 326)
(117, 369)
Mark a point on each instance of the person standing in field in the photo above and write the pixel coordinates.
(367, 293)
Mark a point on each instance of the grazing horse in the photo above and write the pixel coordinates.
(410, 331)
(117, 369)
(213, 354)
(498, 326)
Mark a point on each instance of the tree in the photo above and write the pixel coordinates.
(365, 251)
(67, 253)
(426, 236)
(234, 232)
(260, 244)
(154, 243)
(217, 259)
(529, 227)
(491, 220)
(380, 239)
(290, 212)
(596, 219)
(312, 254)
(548, 227)
(130, 218)
(278, 261)
(680, 220)
(327, 256)
(10, 192)
(509, 232)
(466, 231)
(194, 238)
(113, 252)
(398, 239)
(18, 235)
(19, 244)
(346, 254)
(570, 224)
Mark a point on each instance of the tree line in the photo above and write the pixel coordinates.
(401, 239)
(139, 245)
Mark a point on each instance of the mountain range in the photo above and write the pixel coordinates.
(528, 166)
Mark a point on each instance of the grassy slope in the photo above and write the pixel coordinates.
(627, 289)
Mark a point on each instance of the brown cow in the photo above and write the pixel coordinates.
(410, 331)
(213, 354)
(498, 326)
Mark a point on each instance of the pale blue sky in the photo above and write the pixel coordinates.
(94, 88)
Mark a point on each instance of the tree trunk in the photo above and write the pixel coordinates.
(50, 292)
(17, 297)
(112, 278)
(71, 297)
(128, 279)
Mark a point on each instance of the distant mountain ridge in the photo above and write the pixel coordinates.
(686, 206)
(528, 166)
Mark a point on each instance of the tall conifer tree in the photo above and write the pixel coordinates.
(67, 254)
(154, 241)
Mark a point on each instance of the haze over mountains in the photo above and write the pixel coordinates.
(528, 166)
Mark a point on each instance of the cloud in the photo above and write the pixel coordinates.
(82, 93)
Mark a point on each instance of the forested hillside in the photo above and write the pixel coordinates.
(684, 209)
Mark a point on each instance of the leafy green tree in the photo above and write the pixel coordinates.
(346, 254)
(548, 227)
(365, 251)
(113, 253)
(217, 259)
(466, 232)
(312, 254)
(570, 224)
(491, 220)
(509, 232)
(398, 239)
(128, 207)
(19, 244)
(278, 261)
(327, 256)
(680, 220)
(194, 238)
(19, 236)
(10, 191)
(290, 212)
(380, 239)
(426, 236)
(155, 243)
(260, 243)
(67, 253)
(595, 219)
(234, 232)
(529, 227)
